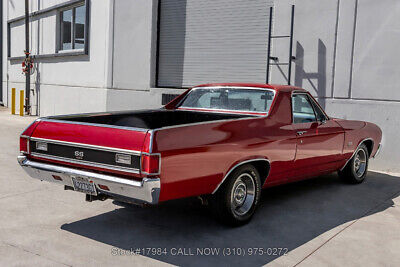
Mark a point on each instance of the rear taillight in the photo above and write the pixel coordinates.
(24, 137)
(24, 145)
(150, 164)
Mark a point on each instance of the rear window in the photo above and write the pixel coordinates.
(230, 99)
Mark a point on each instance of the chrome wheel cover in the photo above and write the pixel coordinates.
(243, 194)
(360, 163)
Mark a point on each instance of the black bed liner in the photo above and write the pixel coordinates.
(148, 119)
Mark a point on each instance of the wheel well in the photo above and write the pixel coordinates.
(261, 165)
(263, 168)
(370, 145)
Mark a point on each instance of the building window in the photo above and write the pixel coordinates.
(72, 28)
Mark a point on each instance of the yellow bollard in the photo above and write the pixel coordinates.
(13, 101)
(21, 102)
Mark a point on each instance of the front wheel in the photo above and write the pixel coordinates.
(236, 201)
(356, 169)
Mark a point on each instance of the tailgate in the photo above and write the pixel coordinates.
(104, 148)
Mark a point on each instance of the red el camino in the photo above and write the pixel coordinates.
(221, 142)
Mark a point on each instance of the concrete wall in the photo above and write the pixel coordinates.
(116, 75)
(132, 53)
(133, 56)
(347, 56)
(65, 84)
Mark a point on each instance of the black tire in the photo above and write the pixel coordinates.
(236, 200)
(356, 169)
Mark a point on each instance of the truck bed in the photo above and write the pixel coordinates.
(148, 119)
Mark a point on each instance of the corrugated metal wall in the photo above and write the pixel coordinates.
(212, 41)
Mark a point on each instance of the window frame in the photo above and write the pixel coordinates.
(315, 105)
(261, 114)
(309, 99)
(54, 9)
(59, 31)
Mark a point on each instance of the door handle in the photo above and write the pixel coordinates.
(301, 132)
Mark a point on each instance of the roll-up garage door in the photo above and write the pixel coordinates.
(203, 41)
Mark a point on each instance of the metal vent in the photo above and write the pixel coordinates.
(166, 98)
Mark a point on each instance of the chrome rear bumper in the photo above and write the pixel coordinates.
(147, 190)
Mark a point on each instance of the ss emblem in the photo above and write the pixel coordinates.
(79, 154)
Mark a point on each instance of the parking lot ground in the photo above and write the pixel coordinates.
(319, 222)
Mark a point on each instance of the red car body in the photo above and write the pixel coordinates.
(195, 159)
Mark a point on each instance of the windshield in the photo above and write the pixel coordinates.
(229, 99)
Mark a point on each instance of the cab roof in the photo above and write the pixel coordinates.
(277, 87)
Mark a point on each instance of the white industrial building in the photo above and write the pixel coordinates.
(103, 55)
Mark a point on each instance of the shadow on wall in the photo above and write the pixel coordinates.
(319, 76)
(288, 217)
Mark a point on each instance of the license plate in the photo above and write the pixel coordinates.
(82, 184)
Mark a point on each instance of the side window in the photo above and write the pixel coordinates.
(320, 114)
(303, 111)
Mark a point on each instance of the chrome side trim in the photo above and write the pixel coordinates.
(87, 163)
(102, 148)
(157, 129)
(37, 120)
(147, 190)
(151, 140)
(237, 87)
(380, 146)
(224, 111)
(378, 151)
(237, 165)
(207, 122)
(97, 125)
(359, 144)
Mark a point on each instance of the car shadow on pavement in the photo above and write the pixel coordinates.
(288, 217)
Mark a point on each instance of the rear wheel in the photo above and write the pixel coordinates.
(356, 169)
(236, 201)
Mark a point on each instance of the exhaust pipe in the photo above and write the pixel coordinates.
(91, 198)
